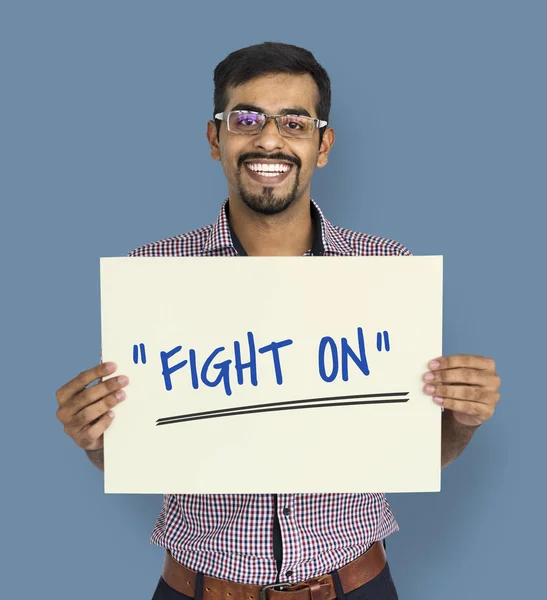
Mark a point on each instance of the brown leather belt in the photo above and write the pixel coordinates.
(353, 575)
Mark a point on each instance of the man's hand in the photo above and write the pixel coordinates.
(465, 384)
(85, 411)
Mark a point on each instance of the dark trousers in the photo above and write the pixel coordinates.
(379, 588)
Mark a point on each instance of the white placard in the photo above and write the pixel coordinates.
(272, 374)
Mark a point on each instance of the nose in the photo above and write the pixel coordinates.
(269, 138)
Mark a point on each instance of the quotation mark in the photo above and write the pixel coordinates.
(385, 338)
(136, 353)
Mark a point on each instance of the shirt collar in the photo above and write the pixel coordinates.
(327, 240)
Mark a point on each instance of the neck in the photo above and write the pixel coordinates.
(289, 233)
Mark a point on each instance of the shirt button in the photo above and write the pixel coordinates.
(288, 573)
(286, 511)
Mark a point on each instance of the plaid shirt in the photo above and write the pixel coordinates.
(235, 536)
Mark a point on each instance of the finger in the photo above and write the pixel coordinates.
(469, 393)
(67, 411)
(91, 413)
(464, 376)
(88, 438)
(477, 410)
(468, 361)
(82, 380)
(94, 393)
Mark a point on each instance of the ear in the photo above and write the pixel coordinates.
(326, 144)
(212, 138)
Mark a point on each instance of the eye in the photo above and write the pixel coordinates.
(295, 123)
(246, 120)
(298, 125)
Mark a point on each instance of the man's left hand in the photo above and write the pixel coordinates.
(465, 384)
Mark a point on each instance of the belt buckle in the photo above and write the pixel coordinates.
(272, 586)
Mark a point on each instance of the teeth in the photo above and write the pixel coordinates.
(268, 170)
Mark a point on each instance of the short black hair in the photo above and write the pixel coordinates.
(270, 57)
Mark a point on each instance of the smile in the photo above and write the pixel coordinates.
(268, 172)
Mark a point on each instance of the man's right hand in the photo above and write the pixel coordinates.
(85, 411)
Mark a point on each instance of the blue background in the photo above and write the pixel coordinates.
(439, 112)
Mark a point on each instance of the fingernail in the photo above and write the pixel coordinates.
(122, 380)
(111, 414)
(438, 400)
(110, 367)
(434, 364)
(429, 389)
(120, 394)
(429, 377)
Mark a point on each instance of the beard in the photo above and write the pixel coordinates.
(268, 202)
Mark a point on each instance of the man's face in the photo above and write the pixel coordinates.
(245, 157)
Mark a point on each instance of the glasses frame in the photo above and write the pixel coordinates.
(224, 116)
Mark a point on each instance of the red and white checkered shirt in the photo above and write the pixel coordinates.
(231, 536)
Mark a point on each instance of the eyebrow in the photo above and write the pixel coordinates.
(298, 110)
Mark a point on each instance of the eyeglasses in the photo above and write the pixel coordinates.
(248, 122)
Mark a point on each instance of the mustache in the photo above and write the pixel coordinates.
(258, 156)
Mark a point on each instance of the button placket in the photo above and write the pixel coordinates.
(287, 501)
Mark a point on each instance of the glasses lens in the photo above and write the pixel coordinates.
(296, 126)
(245, 122)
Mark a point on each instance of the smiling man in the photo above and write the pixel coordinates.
(270, 132)
(271, 143)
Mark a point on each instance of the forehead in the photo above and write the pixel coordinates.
(276, 91)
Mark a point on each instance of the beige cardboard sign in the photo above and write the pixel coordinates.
(272, 374)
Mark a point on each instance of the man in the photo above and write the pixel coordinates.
(270, 132)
